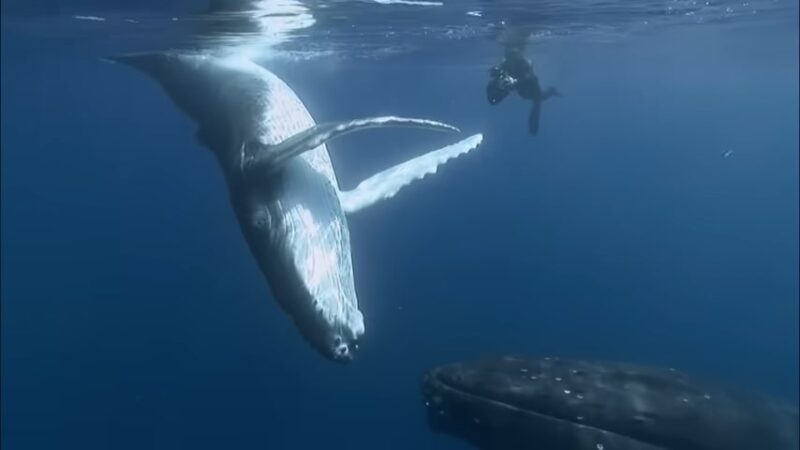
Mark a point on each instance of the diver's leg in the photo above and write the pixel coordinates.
(528, 88)
(533, 118)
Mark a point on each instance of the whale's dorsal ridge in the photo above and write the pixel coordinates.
(272, 156)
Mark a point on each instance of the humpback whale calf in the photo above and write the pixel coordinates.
(520, 403)
(283, 188)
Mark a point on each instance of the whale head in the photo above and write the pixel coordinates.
(311, 276)
(337, 326)
(513, 401)
(297, 232)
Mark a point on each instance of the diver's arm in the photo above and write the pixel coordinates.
(497, 90)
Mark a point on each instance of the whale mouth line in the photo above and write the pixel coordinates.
(439, 385)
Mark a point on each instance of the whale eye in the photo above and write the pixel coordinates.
(261, 219)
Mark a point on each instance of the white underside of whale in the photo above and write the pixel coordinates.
(286, 195)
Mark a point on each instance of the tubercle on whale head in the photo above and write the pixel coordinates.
(344, 350)
(345, 341)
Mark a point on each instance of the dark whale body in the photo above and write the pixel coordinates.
(520, 403)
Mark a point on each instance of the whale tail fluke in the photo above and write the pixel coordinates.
(387, 183)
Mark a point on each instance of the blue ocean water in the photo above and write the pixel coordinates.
(653, 220)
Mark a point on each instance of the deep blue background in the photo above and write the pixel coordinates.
(133, 315)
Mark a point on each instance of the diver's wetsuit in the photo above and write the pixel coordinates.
(515, 72)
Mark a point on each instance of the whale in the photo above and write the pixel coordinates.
(282, 186)
(517, 402)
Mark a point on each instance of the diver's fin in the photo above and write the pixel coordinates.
(274, 155)
(387, 183)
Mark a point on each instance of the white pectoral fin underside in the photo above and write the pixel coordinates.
(387, 183)
(311, 138)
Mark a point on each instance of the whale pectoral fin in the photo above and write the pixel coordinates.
(274, 155)
(387, 183)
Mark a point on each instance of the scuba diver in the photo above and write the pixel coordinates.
(516, 73)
